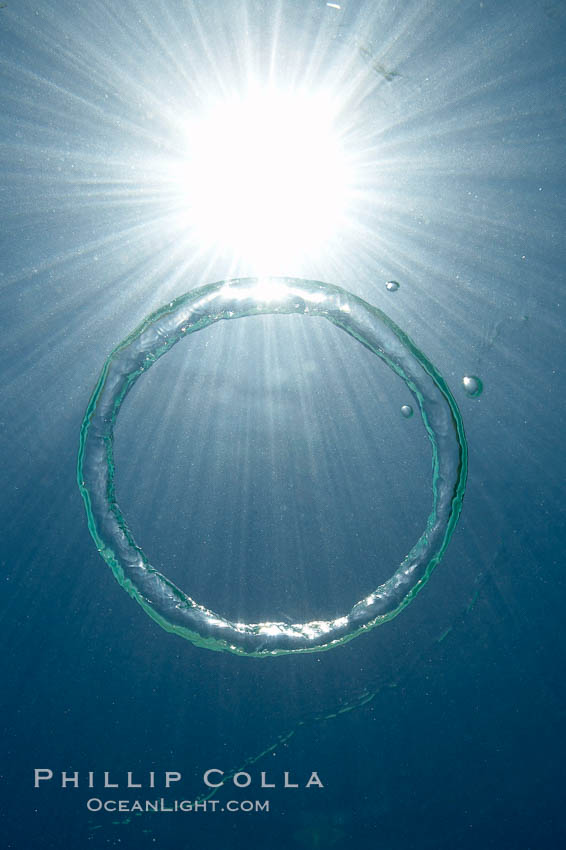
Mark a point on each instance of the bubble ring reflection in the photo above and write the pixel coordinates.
(164, 601)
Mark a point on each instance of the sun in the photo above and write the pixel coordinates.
(266, 177)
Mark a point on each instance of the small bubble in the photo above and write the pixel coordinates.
(473, 386)
(392, 285)
(407, 411)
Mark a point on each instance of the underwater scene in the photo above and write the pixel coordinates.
(282, 290)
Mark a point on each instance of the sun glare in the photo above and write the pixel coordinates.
(266, 177)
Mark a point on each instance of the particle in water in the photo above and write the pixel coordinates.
(392, 285)
(473, 386)
(407, 411)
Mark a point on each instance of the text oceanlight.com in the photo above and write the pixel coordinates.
(95, 804)
(212, 779)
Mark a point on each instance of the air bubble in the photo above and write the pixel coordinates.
(199, 308)
(473, 386)
(407, 411)
(392, 286)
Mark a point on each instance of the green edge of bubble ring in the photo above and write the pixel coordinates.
(162, 600)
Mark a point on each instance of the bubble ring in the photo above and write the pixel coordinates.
(160, 598)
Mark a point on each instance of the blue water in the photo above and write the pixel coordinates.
(264, 464)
